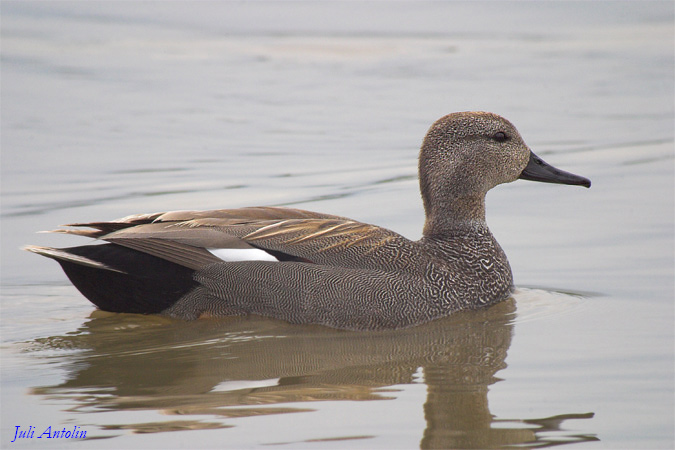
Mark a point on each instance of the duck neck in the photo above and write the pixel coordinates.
(455, 215)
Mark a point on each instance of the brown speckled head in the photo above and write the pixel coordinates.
(463, 156)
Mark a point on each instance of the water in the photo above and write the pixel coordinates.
(109, 110)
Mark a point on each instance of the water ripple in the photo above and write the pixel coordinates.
(543, 303)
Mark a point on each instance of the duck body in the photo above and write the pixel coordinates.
(307, 267)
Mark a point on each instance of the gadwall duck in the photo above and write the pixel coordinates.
(312, 268)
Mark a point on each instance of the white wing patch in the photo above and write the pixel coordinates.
(241, 254)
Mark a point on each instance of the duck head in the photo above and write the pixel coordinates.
(466, 154)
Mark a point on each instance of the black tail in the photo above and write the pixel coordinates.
(118, 279)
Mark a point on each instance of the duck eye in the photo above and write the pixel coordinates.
(500, 136)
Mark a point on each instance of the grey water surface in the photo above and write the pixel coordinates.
(115, 108)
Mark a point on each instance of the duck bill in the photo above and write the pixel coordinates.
(539, 170)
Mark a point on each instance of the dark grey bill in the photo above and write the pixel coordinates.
(539, 170)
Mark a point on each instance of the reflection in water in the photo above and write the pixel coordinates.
(239, 367)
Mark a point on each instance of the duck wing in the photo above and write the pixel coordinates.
(238, 215)
(195, 239)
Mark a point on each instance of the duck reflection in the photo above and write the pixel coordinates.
(238, 367)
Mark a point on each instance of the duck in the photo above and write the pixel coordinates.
(305, 267)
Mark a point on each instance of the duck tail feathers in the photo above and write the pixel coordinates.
(120, 279)
(63, 255)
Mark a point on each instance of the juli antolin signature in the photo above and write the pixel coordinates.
(75, 433)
